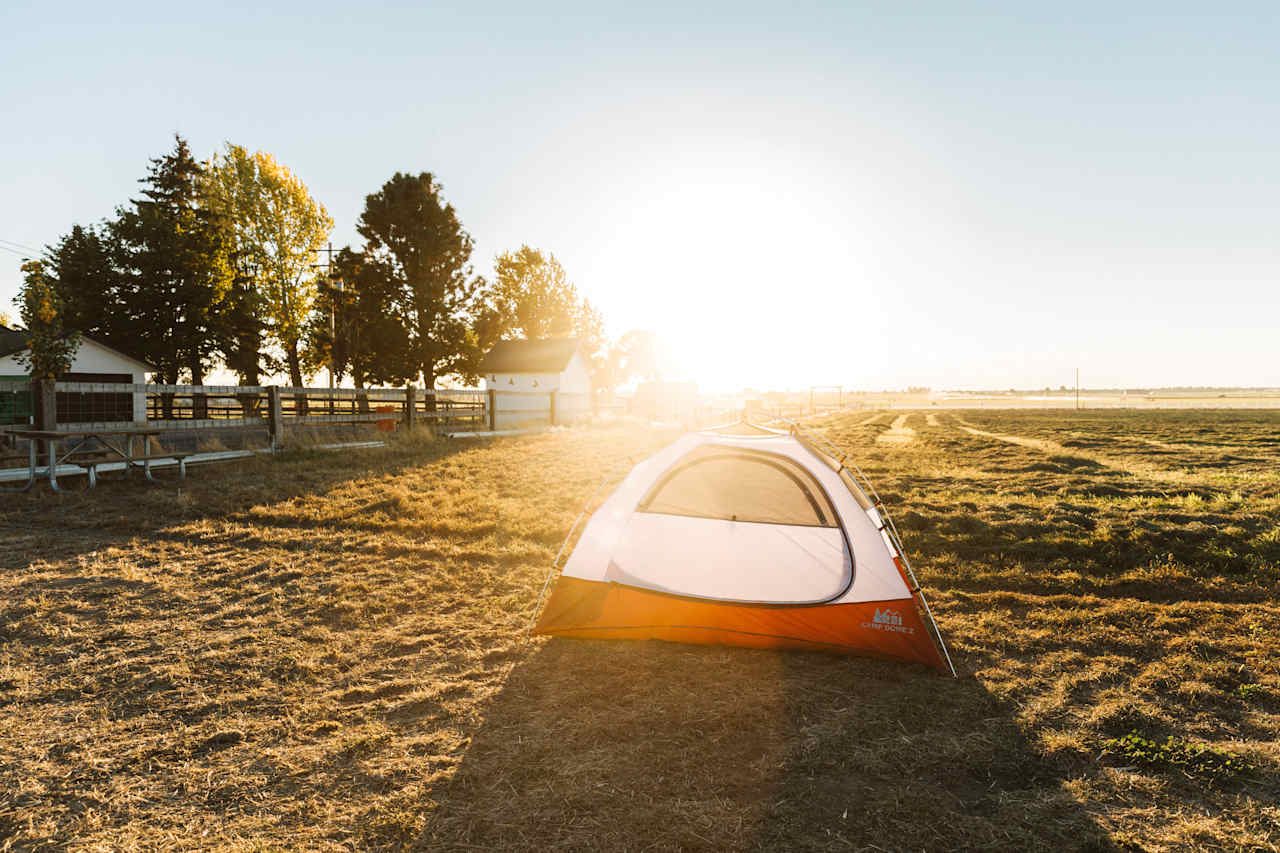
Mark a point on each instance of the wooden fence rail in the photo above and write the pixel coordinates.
(276, 408)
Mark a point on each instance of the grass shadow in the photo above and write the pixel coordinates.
(123, 507)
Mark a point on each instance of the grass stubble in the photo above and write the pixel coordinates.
(327, 651)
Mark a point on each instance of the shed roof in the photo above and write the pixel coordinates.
(14, 341)
(11, 341)
(549, 355)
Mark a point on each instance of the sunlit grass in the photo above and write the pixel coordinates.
(329, 651)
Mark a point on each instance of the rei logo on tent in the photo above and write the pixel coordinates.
(888, 620)
(887, 617)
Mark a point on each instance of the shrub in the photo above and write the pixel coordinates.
(1251, 691)
(1195, 758)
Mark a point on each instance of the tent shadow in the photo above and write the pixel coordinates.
(597, 745)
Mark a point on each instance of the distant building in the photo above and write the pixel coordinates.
(525, 373)
(93, 362)
(668, 402)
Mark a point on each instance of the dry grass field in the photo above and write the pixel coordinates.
(328, 652)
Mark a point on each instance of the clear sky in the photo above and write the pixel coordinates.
(876, 194)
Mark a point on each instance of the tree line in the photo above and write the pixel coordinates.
(219, 263)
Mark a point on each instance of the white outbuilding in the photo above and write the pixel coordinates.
(93, 362)
(533, 378)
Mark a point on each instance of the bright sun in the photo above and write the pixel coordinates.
(749, 276)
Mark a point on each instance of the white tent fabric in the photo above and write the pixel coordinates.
(748, 537)
(739, 561)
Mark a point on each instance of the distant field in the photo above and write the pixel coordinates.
(1089, 400)
(326, 651)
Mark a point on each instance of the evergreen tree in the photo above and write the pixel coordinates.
(415, 241)
(81, 265)
(243, 326)
(172, 253)
(368, 340)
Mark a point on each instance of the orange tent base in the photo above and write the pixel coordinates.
(606, 610)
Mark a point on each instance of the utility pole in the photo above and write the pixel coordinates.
(333, 316)
(1077, 389)
(333, 324)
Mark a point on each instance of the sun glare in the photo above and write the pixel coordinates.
(750, 272)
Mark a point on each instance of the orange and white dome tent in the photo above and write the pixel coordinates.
(746, 536)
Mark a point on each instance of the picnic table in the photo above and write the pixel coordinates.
(90, 448)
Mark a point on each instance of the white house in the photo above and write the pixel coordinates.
(524, 374)
(93, 362)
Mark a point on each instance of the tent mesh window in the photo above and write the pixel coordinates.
(740, 485)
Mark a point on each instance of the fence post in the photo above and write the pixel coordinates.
(552, 395)
(410, 405)
(275, 417)
(493, 410)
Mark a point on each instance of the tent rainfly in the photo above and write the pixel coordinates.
(745, 536)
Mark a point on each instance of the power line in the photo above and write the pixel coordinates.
(24, 254)
(22, 246)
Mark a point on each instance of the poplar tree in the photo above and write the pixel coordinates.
(532, 297)
(51, 345)
(276, 228)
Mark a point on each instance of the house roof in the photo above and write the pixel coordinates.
(550, 355)
(15, 341)
(11, 341)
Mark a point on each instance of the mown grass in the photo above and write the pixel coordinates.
(325, 651)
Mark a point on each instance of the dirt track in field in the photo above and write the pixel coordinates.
(898, 432)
